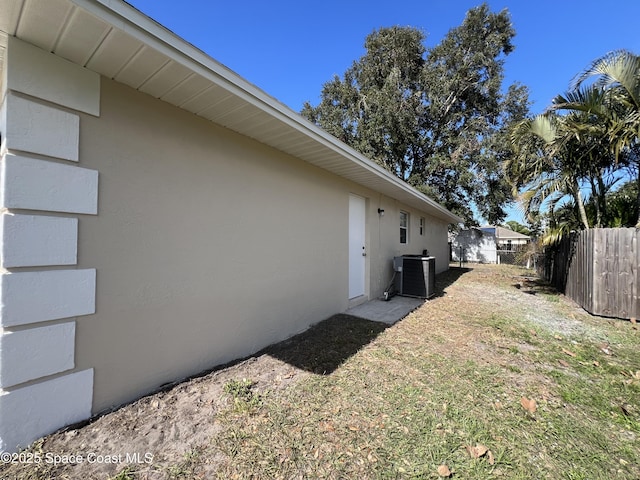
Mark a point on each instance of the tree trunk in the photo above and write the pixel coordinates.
(597, 199)
(580, 202)
(605, 217)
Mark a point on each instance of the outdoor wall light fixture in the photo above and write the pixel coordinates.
(381, 212)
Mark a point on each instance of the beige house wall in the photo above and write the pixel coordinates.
(209, 246)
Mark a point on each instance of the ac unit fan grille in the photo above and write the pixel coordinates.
(417, 276)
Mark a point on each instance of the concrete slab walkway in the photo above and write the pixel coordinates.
(388, 312)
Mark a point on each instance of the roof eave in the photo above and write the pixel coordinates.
(287, 130)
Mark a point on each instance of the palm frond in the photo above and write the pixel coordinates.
(542, 126)
(588, 99)
(553, 235)
(619, 67)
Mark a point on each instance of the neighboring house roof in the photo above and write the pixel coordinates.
(506, 234)
(475, 231)
(117, 41)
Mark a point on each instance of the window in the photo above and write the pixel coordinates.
(421, 225)
(404, 227)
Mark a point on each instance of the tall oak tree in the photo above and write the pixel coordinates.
(437, 118)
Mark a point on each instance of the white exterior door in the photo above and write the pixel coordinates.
(357, 252)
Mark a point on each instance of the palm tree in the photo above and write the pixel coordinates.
(547, 165)
(613, 100)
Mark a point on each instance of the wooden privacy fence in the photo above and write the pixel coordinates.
(598, 268)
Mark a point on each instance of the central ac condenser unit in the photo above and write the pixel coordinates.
(415, 275)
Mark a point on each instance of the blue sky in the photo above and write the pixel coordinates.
(291, 48)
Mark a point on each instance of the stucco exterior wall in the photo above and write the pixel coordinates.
(210, 246)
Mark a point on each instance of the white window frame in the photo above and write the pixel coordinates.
(404, 228)
(422, 223)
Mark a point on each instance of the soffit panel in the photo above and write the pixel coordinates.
(227, 110)
(261, 124)
(185, 90)
(207, 98)
(141, 67)
(116, 50)
(42, 23)
(11, 10)
(82, 37)
(165, 79)
(3, 53)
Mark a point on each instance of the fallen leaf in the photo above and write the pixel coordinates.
(596, 364)
(444, 471)
(557, 337)
(328, 426)
(533, 332)
(564, 363)
(490, 458)
(568, 352)
(477, 451)
(633, 320)
(353, 428)
(529, 405)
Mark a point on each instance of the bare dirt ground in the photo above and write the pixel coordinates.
(159, 431)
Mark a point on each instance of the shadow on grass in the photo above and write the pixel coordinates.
(325, 346)
(448, 278)
(533, 286)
